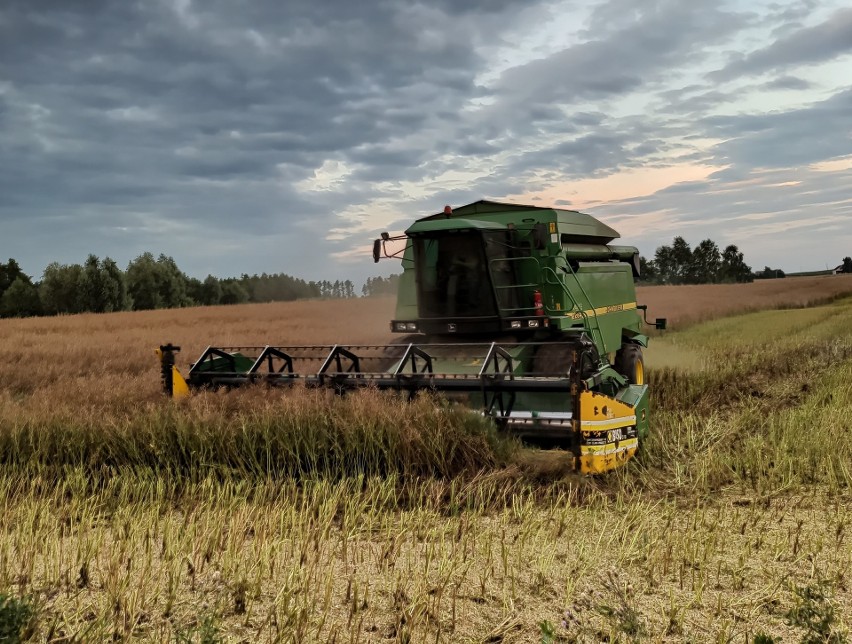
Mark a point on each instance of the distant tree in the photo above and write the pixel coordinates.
(20, 299)
(277, 287)
(233, 293)
(156, 284)
(847, 265)
(210, 292)
(769, 273)
(706, 262)
(143, 283)
(681, 255)
(733, 267)
(380, 286)
(665, 263)
(114, 285)
(58, 288)
(173, 285)
(647, 270)
(10, 272)
(90, 286)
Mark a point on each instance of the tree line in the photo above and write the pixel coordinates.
(678, 263)
(101, 286)
(380, 286)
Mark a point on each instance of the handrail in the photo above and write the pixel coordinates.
(592, 328)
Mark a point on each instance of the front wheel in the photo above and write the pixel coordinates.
(629, 363)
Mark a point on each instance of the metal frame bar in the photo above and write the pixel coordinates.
(269, 354)
(413, 352)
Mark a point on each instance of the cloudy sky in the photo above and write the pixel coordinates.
(284, 135)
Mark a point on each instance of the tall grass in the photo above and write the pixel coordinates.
(267, 433)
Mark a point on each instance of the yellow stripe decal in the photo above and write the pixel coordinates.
(603, 450)
(601, 310)
(595, 425)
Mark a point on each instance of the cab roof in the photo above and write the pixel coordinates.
(570, 223)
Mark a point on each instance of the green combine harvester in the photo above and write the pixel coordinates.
(528, 314)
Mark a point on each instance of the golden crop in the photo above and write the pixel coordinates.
(298, 516)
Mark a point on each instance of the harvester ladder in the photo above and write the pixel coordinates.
(592, 327)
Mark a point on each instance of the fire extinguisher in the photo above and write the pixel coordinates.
(537, 303)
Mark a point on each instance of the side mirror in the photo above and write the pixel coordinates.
(636, 265)
(659, 323)
(377, 250)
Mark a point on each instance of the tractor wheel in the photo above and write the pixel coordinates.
(629, 363)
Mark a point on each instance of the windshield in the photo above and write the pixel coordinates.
(452, 276)
(459, 274)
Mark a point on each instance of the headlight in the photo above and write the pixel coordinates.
(404, 326)
(532, 323)
(516, 324)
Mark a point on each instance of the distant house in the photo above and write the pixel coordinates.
(837, 270)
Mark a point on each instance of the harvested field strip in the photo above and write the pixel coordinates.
(766, 411)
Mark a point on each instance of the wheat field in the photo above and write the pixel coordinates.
(300, 516)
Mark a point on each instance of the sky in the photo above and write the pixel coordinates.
(283, 136)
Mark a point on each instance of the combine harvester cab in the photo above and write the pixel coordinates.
(526, 313)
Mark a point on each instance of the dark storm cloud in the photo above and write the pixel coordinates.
(213, 131)
(788, 82)
(212, 113)
(818, 43)
(649, 38)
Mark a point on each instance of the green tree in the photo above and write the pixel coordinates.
(234, 293)
(90, 286)
(769, 273)
(706, 262)
(156, 284)
(114, 283)
(174, 283)
(9, 272)
(20, 299)
(847, 265)
(210, 292)
(665, 263)
(143, 283)
(380, 286)
(647, 270)
(58, 288)
(681, 256)
(734, 268)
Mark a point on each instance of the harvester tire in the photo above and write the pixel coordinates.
(629, 363)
